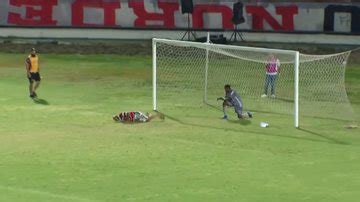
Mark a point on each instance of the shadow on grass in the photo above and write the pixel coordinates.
(243, 122)
(40, 101)
(252, 110)
(324, 139)
(323, 136)
(213, 107)
(310, 116)
(258, 111)
(284, 99)
(129, 123)
(287, 114)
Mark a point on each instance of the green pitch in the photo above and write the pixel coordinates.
(65, 146)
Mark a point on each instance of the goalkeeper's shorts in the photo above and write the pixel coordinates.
(238, 109)
(228, 103)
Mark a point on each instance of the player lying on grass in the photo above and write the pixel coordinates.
(136, 117)
(233, 99)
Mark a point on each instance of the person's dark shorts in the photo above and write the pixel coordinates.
(238, 109)
(34, 77)
(228, 103)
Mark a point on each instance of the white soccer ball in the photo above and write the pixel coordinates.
(264, 124)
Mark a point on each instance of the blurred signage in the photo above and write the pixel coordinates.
(166, 14)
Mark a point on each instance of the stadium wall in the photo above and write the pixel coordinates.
(89, 33)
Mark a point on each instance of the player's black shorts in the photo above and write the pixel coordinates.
(34, 76)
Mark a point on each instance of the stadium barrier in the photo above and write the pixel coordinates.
(126, 34)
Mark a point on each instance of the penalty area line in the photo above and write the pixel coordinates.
(44, 193)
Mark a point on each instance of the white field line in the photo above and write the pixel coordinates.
(147, 197)
(44, 193)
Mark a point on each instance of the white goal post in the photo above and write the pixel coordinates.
(193, 68)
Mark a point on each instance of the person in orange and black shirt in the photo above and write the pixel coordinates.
(33, 72)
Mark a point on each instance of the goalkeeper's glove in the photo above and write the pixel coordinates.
(220, 98)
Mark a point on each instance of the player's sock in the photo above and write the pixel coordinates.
(225, 115)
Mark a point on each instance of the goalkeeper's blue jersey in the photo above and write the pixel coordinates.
(234, 98)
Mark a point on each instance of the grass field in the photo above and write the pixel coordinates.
(66, 147)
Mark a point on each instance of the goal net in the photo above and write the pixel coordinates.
(188, 74)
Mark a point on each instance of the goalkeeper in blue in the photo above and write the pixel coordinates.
(233, 99)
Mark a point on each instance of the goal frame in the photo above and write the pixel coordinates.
(207, 44)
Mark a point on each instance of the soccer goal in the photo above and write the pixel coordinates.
(192, 73)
